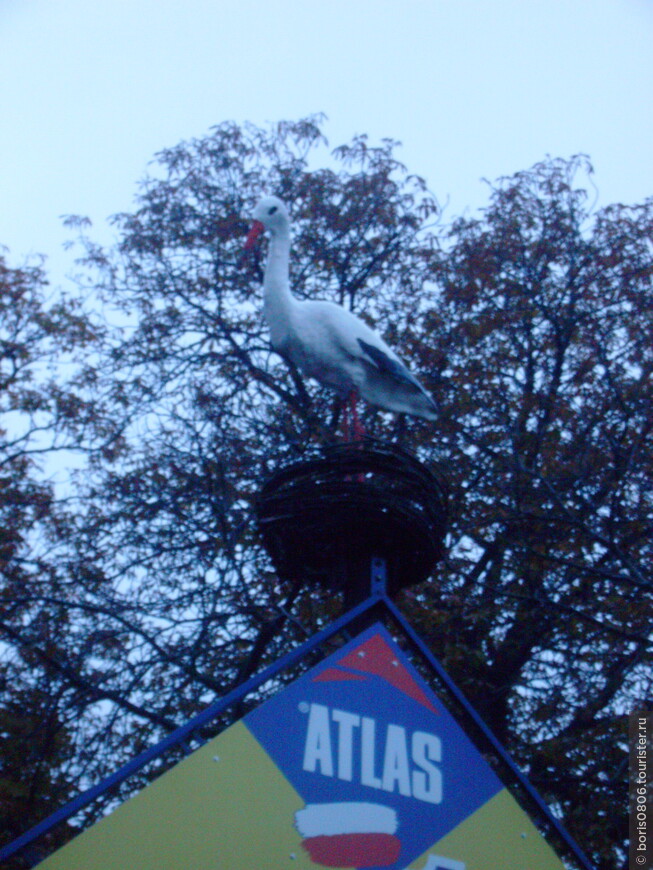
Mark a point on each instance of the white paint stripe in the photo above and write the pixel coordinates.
(323, 820)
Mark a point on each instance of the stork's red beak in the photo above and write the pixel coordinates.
(253, 234)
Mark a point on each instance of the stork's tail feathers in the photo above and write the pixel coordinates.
(407, 394)
(425, 407)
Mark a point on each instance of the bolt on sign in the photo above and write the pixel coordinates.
(357, 764)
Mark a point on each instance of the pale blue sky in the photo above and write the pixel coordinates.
(473, 89)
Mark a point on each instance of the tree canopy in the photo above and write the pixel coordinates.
(529, 323)
(42, 415)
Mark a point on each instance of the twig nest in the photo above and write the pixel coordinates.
(326, 516)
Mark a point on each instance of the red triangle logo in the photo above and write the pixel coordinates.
(374, 656)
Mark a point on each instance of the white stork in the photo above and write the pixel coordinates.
(324, 340)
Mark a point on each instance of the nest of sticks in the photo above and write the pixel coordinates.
(323, 518)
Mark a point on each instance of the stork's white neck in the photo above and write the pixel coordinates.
(278, 300)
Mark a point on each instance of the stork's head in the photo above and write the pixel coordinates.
(270, 214)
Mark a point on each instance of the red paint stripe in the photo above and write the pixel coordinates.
(353, 850)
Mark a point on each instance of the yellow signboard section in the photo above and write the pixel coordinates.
(225, 807)
(497, 836)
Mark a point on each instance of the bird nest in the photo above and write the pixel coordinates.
(324, 518)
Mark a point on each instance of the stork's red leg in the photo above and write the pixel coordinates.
(357, 426)
(352, 429)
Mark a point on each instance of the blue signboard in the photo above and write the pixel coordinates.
(383, 768)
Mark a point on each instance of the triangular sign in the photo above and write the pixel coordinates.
(357, 764)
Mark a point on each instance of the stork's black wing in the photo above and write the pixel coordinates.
(389, 366)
